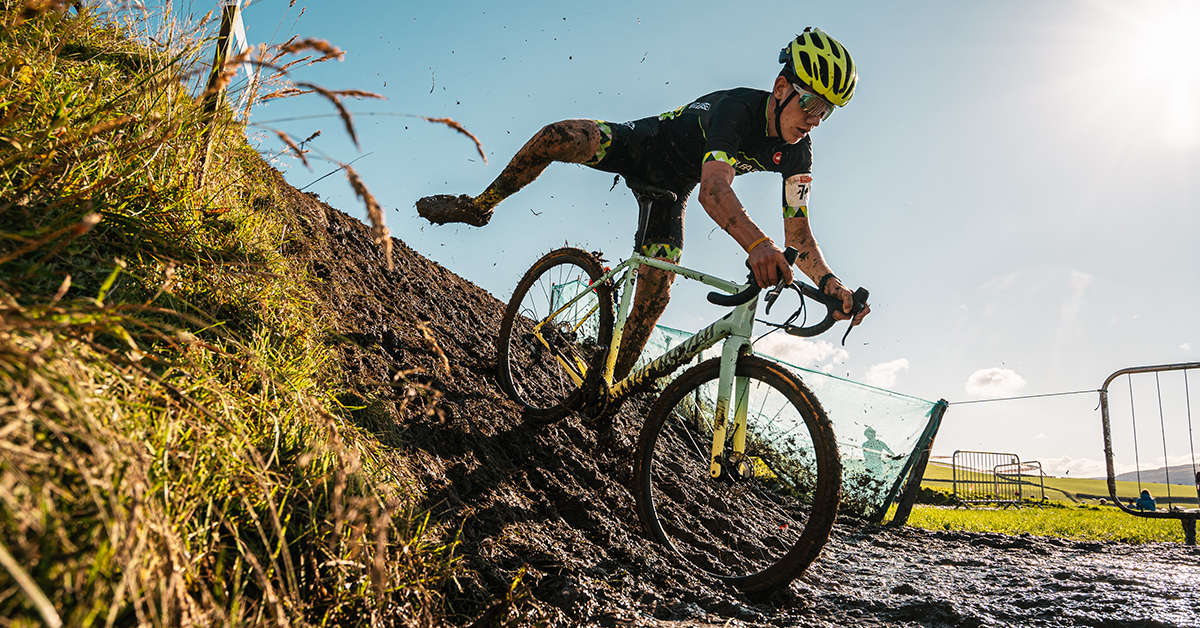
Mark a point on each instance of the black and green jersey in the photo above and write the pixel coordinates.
(669, 150)
(729, 126)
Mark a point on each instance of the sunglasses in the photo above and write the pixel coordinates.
(813, 104)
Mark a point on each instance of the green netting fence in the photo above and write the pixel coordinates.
(881, 434)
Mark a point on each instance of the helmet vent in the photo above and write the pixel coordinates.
(835, 49)
(807, 63)
(824, 69)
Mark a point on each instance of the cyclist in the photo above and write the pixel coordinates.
(708, 141)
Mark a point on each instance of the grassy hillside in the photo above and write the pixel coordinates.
(172, 449)
(180, 441)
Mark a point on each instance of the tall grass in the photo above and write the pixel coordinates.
(170, 449)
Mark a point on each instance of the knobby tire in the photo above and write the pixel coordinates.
(756, 533)
(531, 373)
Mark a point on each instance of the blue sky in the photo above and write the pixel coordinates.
(1014, 181)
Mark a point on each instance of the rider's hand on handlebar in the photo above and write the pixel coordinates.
(768, 264)
(834, 288)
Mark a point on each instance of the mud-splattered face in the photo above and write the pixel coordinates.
(794, 122)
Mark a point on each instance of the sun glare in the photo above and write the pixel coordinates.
(1137, 66)
(1171, 49)
(1172, 62)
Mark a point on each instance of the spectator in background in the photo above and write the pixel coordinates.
(1145, 502)
(873, 450)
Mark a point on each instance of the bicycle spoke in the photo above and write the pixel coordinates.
(550, 340)
(756, 529)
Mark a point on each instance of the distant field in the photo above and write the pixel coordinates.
(1080, 523)
(1072, 513)
(1070, 490)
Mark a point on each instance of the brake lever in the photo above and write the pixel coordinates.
(831, 304)
(860, 302)
(790, 254)
(773, 294)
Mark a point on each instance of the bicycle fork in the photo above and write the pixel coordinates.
(735, 389)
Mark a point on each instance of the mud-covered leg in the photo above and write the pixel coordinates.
(568, 141)
(649, 301)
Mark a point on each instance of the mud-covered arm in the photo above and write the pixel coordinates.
(716, 195)
(812, 262)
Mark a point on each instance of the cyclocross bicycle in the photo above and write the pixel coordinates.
(749, 498)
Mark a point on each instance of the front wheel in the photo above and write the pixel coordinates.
(762, 527)
(552, 346)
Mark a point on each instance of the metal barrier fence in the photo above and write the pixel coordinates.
(1029, 477)
(993, 477)
(1162, 442)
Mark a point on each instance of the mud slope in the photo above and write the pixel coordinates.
(555, 499)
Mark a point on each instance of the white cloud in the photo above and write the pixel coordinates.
(994, 381)
(801, 352)
(884, 375)
(1040, 437)
(1187, 346)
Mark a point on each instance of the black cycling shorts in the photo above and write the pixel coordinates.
(626, 148)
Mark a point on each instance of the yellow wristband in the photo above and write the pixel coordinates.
(758, 242)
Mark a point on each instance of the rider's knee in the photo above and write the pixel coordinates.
(569, 140)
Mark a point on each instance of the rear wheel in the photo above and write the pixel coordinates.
(757, 529)
(549, 352)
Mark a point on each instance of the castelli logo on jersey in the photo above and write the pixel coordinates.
(777, 157)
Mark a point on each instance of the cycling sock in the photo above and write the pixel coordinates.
(491, 197)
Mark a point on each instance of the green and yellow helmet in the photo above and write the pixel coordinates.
(819, 62)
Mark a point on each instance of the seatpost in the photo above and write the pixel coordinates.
(644, 203)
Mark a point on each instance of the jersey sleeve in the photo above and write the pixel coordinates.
(731, 120)
(797, 180)
(796, 189)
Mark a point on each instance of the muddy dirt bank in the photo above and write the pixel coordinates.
(554, 502)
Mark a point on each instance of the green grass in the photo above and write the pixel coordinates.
(1075, 490)
(1072, 511)
(1084, 523)
(171, 452)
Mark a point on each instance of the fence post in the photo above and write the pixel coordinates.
(213, 97)
(913, 487)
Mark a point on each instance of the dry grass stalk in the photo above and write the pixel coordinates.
(335, 97)
(286, 139)
(427, 333)
(379, 230)
(458, 127)
(109, 125)
(228, 71)
(74, 231)
(286, 92)
(30, 588)
(320, 45)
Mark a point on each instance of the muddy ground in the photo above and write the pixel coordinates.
(554, 500)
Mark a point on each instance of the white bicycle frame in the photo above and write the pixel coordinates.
(733, 328)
